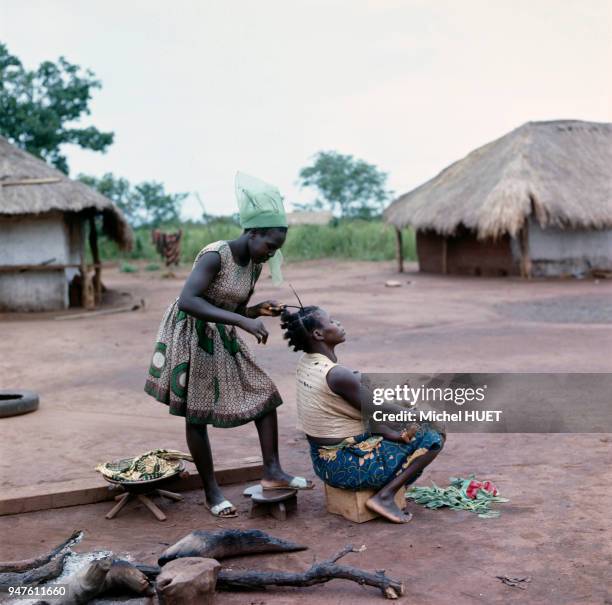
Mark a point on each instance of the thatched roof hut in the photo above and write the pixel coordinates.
(543, 180)
(31, 186)
(43, 216)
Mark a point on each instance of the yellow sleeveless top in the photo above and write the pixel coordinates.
(322, 413)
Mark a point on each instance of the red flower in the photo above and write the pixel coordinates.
(474, 486)
(472, 489)
(489, 487)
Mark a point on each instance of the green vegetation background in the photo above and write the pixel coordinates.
(350, 239)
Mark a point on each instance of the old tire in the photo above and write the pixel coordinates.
(15, 402)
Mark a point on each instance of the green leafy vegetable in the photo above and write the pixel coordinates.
(455, 496)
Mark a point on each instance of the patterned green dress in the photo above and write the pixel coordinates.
(205, 371)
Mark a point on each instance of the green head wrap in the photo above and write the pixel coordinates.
(260, 206)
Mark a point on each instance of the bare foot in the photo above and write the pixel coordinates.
(388, 509)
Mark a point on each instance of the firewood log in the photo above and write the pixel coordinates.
(25, 564)
(228, 543)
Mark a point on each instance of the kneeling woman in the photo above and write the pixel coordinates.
(329, 399)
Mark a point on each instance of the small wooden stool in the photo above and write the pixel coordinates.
(351, 505)
(278, 502)
(123, 499)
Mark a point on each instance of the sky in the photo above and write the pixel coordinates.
(196, 90)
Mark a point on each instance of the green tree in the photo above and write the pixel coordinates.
(116, 189)
(345, 184)
(158, 207)
(37, 107)
(144, 205)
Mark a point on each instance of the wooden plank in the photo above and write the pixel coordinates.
(94, 490)
(524, 247)
(21, 268)
(95, 253)
(88, 300)
(42, 181)
(399, 250)
(445, 255)
(124, 309)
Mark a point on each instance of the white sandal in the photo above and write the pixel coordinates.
(217, 509)
(296, 482)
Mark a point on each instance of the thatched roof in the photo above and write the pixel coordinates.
(561, 172)
(31, 186)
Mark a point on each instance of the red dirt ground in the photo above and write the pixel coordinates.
(556, 529)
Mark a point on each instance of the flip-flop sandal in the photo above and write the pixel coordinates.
(298, 483)
(217, 509)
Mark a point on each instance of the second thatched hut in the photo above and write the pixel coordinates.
(537, 201)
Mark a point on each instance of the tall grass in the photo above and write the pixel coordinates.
(347, 239)
(355, 239)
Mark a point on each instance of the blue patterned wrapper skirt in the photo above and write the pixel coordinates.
(367, 461)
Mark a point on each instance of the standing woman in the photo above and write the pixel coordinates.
(201, 368)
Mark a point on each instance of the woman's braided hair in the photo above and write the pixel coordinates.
(299, 325)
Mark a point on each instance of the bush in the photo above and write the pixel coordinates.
(127, 268)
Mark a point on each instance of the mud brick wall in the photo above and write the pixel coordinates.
(465, 255)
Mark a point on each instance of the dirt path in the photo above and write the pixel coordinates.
(90, 374)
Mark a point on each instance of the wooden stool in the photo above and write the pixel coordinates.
(123, 499)
(277, 502)
(351, 505)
